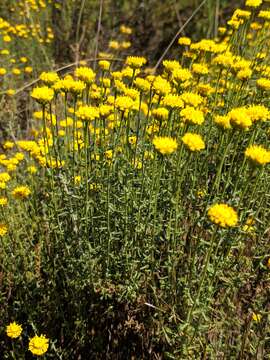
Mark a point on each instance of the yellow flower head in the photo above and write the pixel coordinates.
(253, 3)
(223, 121)
(43, 94)
(87, 113)
(4, 177)
(8, 145)
(104, 64)
(181, 75)
(200, 69)
(124, 103)
(160, 113)
(192, 115)
(263, 83)
(77, 179)
(142, 84)
(125, 30)
(3, 201)
(13, 330)
(161, 86)
(258, 113)
(240, 118)
(38, 345)
(165, 145)
(244, 74)
(223, 215)
(258, 154)
(192, 99)
(184, 41)
(49, 78)
(21, 192)
(256, 317)
(193, 142)
(171, 65)
(3, 229)
(32, 169)
(172, 101)
(85, 74)
(135, 61)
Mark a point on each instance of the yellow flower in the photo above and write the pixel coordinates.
(171, 65)
(114, 45)
(21, 192)
(223, 121)
(165, 145)
(49, 78)
(264, 14)
(258, 154)
(3, 185)
(28, 69)
(104, 64)
(253, 3)
(193, 142)
(10, 92)
(3, 201)
(184, 41)
(181, 75)
(135, 61)
(248, 227)
(200, 69)
(258, 113)
(172, 101)
(192, 115)
(3, 71)
(160, 113)
(142, 84)
(87, 113)
(124, 103)
(43, 94)
(85, 74)
(77, 179)
(161, 86)
(8, 145)
(14, 330)
(3, 229)
(244, 74)
(256, 317)
(240, 118)
(192, 99)
(4, 177)
(38, 345)
(263, 83)
(125, 30)
(223, 215)
(16, 71)
(32, 169)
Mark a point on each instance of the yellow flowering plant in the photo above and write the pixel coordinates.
(133, 185)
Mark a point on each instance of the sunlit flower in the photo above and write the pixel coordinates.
(258, 154)
(38, 345)
(135, 61)
(43, 94)
(165, 145)
(14, 330)
(223, 215)
(193, 142)
(3, 229)
(21, 192)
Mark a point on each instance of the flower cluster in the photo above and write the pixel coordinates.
(223, 215)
